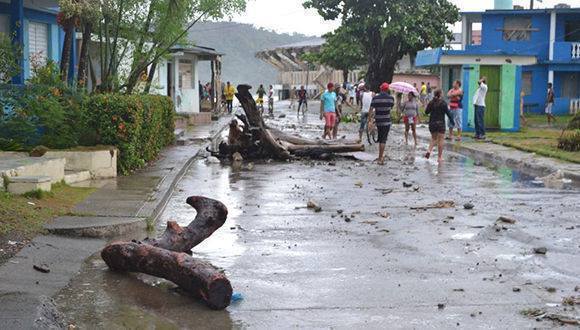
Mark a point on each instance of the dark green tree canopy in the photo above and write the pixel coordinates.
(389, 29)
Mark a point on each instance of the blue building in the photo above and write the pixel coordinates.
(519, 51)
(32, 25)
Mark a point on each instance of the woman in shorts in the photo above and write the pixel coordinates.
(437, 109)
(410, 112)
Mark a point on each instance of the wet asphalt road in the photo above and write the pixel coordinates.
(367, 259)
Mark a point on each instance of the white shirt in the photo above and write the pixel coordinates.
(480, 93)
(367, 99)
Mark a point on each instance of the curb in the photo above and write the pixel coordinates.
(525, 165)
(148, 212)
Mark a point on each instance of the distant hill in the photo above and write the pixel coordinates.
(240, 42)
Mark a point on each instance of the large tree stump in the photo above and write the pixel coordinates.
(167, 256)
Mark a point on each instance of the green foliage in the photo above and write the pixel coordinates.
(574, 122)
(570, 141)
(9, 56)
(148, 29)
(37, 194)
(43, 112)
(138, 125)
(341, 51)
(389, 29)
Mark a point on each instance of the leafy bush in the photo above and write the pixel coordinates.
(138, 125)
(41, 114)
(570, 140)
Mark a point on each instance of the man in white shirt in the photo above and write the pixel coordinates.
(479, 105)
(366, 100)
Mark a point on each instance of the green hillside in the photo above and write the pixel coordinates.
(240, 42)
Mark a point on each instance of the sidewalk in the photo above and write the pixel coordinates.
(486, 151)
(119, 206)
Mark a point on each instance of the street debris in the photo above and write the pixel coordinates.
(237, 296)
(571, 301)
(407, 185)
(384, 191)
(506, 220)
(212, 160)
(359, 184)
(540, 314)
(385, 215)
(438, 205)
(516, 289)
(313, 206)
(440, 306)
(468, 206)
(540, 250)
(167, 256)
(41, 268)
(237, 157)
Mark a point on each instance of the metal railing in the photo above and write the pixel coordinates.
(574, 106)
(575, 51)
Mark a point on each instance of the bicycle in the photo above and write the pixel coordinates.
(371, 129)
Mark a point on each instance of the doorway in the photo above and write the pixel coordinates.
(492, 73)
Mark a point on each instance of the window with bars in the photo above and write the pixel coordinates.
(37, 44)
(517, 29)
(527, 83)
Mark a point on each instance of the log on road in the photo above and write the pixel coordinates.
(167, 256)
(199, 278)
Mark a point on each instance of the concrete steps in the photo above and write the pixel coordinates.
(71, 177)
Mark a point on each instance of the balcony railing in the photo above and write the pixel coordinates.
(576, 50)
(566, 51)
(574, 106)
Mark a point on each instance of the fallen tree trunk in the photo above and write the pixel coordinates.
(199, 278)
(260, 141)
(324, 148)
(167, 256)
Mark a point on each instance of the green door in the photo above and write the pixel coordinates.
(493, 94)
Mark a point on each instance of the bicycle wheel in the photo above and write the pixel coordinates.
(371, 134)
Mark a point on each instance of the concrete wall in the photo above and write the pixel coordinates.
(101, 164)
(19, 164)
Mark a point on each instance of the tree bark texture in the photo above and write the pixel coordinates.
(84, 55)
(167, 257)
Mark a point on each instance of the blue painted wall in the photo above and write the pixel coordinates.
(54, 35)
(492, 36)
(537, 97)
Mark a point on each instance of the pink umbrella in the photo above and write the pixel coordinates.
(403, 87)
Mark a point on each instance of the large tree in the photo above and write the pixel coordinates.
(341, 51)
(389, 29)
(134, 35)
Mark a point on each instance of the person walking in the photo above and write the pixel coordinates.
(292, 98)
(455, 96)
(479, 105)
(437, 109)
(351, 93)
(382, 105)
(367, 99)
(550, 104)
(271, 100)
(410, 112)
(423, 94)
(328, 110)
(260, 101)
(230, 92)
(340, 99)
(302, 100)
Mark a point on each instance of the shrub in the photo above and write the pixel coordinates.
(570, 141)
(138, 125)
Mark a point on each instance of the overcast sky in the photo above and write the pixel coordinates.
(289, 16)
